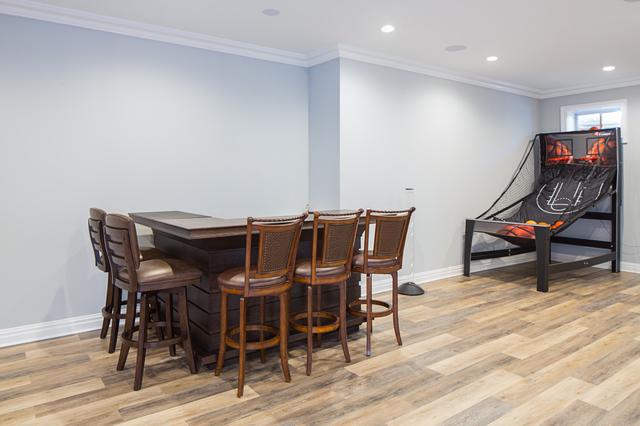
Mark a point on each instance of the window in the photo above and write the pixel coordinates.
(605, 115)
(604, 119)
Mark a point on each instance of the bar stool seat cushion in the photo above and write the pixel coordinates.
(234, 277)
(358, 261)
(303, 269)
(148, 253)
(157, 272)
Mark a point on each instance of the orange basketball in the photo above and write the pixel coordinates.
(524, 231)
(557, 224)
(602, 150)
(507, 230)
(557, 152)
(520, 231)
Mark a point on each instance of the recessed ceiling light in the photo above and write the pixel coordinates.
(271, 12)
(455, 48)
(387, 28)
(608, 68)
(492, 58)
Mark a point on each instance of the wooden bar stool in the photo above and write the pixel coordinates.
(331, 267)
(96, 236)
(385, 258)
(146, 279)
(271, 276)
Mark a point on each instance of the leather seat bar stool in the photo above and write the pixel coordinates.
(96, 236)
(272, 275)
(147, 279)
(330, 264)
(386, 258)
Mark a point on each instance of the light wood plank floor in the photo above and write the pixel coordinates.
(482, 350)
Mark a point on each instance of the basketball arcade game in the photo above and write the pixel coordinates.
(558, 181)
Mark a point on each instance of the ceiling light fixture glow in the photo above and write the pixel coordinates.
(271, 12)
(608, 68)
(492, 58)
(387, 28)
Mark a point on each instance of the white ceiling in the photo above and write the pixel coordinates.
(543, 45)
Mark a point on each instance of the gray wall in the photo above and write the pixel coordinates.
(457, 144)
(550, 121)
(96, 119)
(324, 135)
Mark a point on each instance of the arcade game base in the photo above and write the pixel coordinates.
(561, 177)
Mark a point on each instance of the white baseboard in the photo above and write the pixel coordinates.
(624, 266)
(80, 324)
(50, 329)
(630, 267)
(384, 284)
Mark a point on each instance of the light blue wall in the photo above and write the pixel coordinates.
(550, 121)
(90, 118)
(324, 135)
(457, 144)
(96, 119)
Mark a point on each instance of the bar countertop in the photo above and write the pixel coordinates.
(191, 226)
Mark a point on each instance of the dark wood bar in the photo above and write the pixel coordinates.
(214, 245)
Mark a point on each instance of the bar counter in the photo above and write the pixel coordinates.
(214, 245)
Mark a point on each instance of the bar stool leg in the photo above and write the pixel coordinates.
(284, 335)
(157, 316)
(184, 330)
(129, 323)
(319, 308)
(223, 333)
(108, 307)
(394, 308)
(168, 317)
(142, 340)
(263, 357)
(369, 317)
(243, 343)
(115, 318)
(309, 327)
(343, 320)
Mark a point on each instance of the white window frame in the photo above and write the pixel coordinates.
(568, 112)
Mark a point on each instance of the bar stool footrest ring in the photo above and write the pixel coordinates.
(353, 310)
(256, 345)
(151, 344)
(299, 322)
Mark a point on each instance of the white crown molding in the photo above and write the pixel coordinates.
(63, 15)
(321, 56)
(372, 57)
(588, 88)
(73, 17)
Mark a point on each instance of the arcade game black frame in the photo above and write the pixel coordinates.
(543, 236)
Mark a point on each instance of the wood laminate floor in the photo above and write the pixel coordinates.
(482, 350)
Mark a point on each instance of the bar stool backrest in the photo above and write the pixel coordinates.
(339, 236)
(96, 236)
(390, 235)
(278, 240)
(122, 249)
